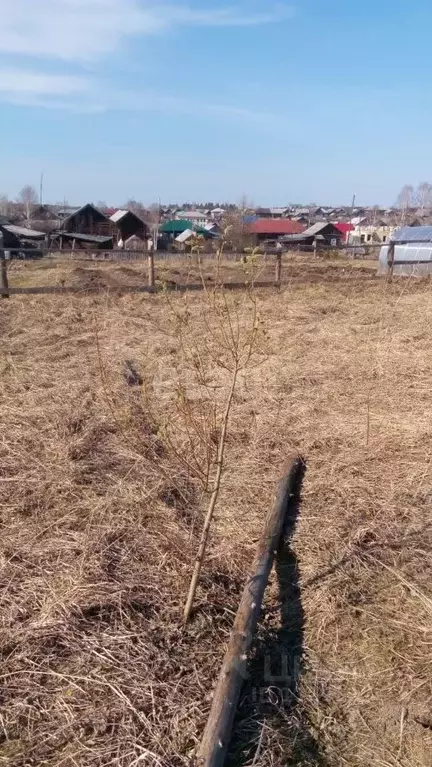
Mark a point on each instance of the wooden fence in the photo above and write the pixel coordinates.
(151, 259)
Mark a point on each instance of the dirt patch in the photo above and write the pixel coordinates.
(130, 276)
(91, 278)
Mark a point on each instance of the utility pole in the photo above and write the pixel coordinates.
(352, 214)
(41, 189)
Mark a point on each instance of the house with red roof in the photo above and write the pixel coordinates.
(345, 229)
(273, 228)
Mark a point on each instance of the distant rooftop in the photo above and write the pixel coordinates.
(118, 215)
(413, 234)
(275, 226)
(21, 231)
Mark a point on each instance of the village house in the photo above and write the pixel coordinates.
(345, 229)
(279, 212)
(217, 214)
(88, 220)
(127, 225)
(197, 217)
(319, 235)
(173, 229)
(86, 227)
(273, 229)
(364, 231)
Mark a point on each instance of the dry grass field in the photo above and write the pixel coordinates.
(101, 513)
(87, 274)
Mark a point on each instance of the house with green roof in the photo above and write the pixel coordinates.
(174, 228)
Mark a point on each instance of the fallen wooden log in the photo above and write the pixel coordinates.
(219, 726)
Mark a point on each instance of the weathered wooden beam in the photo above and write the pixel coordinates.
(4, 285)
(151, 269)
(219, 726)
(278, 271)
(391, 252)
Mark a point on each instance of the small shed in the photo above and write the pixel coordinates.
(185, 236)
(10, 240)
(320, 235)
(17, 237)
(88, 220)
(78, 241)
(26, 234)
(128, 225)
(409, 252)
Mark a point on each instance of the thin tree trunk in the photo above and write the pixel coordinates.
(212, 504)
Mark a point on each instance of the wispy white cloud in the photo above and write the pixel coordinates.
(72, 33)
(80, 96)
(80, 30)
(18, 81)
(233, 16)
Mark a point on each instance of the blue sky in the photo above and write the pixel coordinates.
(215, 99)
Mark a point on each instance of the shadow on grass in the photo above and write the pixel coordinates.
(271, 720)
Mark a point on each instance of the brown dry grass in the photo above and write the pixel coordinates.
(100, 519)
(82, 271)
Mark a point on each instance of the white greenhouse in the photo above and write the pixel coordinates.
(409, 252)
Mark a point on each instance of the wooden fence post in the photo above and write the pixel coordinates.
(278, 275)
(391, 257)
(4, 285)
(151, 269)
(219, 726)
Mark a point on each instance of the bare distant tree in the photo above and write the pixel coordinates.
(136, 207)
(405, 197)
(245, 205)
(235, 227)
(28, 198)
(4, 205)
(423, 197)
(153, 214)
(405, 200)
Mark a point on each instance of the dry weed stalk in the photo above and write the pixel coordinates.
(217, 346)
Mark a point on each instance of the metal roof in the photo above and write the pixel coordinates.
(20, 231)
(190, 214)
(312, 231)
(118, 215)
(413, 234)
(186, 235)
(343, 226)
(99, 239)
(315, 229)
(84, 207)
(176, 226)
(275, 226)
